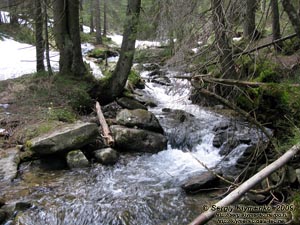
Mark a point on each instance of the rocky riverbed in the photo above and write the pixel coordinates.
(68, 175)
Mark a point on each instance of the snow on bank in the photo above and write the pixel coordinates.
(18, 59)
(138, 44)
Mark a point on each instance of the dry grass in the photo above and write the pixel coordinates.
(39, 103)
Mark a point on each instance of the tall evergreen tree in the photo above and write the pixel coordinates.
(249, 27)
(292, 14)
(113, 86)
(97, 15)
(104, 18)
(276, 24)
(67, 36)
(39, 40)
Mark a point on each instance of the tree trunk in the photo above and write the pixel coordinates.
(39, 40)
(222, 42)
(120, 74)
(113, 86)
(98, 22)
(13, 15)
(67, 36)
(249, 19)
(276, 24)
(47, 48)
(92, 26)
(81, 16)
(104, 18)
(263, 5)
(293, 15)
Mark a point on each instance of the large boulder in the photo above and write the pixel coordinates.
(130, 103)
(139, 118)
(76, 159)
(107, 156)
(138, 140)
(73, 136)
(9, 160)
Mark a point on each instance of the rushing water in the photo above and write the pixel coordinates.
(141, 189)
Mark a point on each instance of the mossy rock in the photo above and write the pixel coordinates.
(23, 134)
(68, 137)
(139, 118)
(76, 159)
(138, 140)
(107, 156)
(102, 53)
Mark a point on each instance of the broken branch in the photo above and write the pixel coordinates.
(106, 134)
(247, 185)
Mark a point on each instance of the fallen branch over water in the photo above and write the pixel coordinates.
(242, 82)
(247, 185)
(106, 134)
(209, 79)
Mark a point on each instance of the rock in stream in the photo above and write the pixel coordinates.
(70, 137)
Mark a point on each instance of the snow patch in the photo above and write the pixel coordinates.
(138, 44)
(18, 59)
(237, 39)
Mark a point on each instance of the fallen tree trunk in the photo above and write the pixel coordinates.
(106, 134)
(274, 42)
(209, 79)
(242, 82)
(265, 45)
(247, 185)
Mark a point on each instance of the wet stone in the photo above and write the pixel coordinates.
(139, 118)
(3, 216)
(76, 159)
(200, 183)
(22, 206)
(106, 156)
(130, 103)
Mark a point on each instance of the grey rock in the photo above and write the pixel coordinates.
(9, 160)
(130, 103)
(3, 216)
(204, 181)
(291, 174)
(76, 159)
(2, 202)
(107, 156)
(157, 72)
(183, 130)
(138, 140)
(151, 66)
(163, 80)
(111, 110)
(73, 136)
(139, 118)
(298, 174)
(22, 206)
(228, 146)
